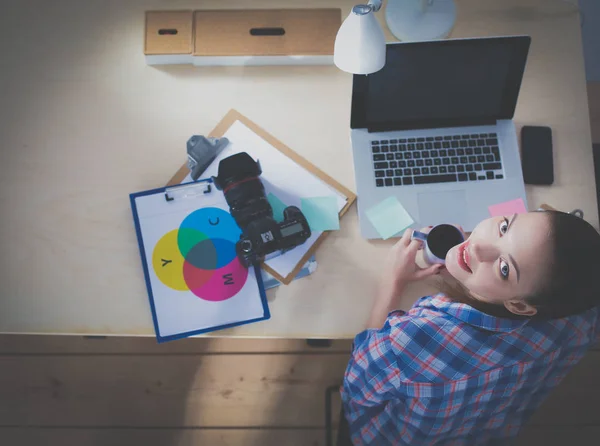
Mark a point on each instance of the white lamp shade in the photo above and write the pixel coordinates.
(360, 44)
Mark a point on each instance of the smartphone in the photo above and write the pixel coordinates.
(536, 155)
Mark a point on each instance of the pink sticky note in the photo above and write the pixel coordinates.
(508, 208)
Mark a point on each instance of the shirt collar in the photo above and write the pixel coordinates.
(470, 315)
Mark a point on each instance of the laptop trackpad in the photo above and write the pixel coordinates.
(443, 207)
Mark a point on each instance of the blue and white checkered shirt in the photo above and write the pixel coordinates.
(447, 374)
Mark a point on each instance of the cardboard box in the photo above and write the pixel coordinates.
(265, 36)
(168, 37)
(242, 36)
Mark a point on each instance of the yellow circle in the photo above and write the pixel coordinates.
(168, 262)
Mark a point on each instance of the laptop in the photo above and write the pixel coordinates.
(434, 129)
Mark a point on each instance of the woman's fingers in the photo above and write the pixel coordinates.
(426, 229)
(415, 245)
(423, 273)
(405, 240)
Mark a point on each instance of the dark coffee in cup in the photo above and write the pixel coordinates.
(442, 238)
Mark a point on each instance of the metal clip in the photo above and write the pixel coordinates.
(188, 191)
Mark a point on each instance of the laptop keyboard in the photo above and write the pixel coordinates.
(440, 159)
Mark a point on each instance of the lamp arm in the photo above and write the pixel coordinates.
(375, 4)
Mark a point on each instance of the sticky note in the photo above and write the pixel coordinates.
(278, 207)
(389, 217)
(508, 208)
(321, 213)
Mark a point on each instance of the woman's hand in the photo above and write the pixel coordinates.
(400, 265)
(399, 269)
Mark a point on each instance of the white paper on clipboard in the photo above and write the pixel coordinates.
(283, 177)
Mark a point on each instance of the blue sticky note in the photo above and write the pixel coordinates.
(321, 213)
(278, 207)
(389, 217)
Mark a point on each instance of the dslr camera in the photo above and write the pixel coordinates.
(238, 178)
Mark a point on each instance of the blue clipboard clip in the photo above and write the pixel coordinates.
(189, 190)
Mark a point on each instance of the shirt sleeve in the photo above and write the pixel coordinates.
(372, 375)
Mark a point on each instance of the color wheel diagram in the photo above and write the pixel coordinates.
(200, 256)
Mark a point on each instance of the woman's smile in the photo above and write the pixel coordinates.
(463, 259)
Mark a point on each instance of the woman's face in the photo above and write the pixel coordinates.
(503, 260)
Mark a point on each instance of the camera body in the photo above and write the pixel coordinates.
(238, 178)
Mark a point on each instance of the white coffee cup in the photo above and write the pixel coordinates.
(438, 242)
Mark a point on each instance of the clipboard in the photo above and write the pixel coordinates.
(221, 128)
(194, 297)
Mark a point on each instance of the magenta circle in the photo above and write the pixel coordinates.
(225, 282)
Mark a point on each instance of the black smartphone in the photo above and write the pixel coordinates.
(536, 155)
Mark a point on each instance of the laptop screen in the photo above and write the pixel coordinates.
(442, 83)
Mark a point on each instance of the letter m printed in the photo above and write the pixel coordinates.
(228, 279)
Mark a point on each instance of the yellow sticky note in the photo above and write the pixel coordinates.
(389, 217)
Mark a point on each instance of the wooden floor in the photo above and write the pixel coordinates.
(113, 391)
(217, 392)
(71, 390)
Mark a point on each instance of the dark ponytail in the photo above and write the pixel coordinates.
(573, 283)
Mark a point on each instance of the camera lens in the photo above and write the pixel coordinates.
(244, 192)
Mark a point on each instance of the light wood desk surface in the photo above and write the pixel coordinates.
(85, 122)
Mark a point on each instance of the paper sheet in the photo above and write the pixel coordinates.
(321, 213)
(389, 217)
(281, 176)
(196, 279)
(508, 208)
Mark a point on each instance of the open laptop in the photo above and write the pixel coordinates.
(434, 128)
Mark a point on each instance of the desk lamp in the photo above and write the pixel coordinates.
(360, 42)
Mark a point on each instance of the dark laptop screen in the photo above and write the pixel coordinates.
(452, 82)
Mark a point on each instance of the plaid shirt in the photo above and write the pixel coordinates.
(447, 374)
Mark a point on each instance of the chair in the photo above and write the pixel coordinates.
(343, 433)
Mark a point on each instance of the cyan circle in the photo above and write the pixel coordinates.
(215, 223)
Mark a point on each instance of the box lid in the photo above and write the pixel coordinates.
(169, 32)
(265, 32)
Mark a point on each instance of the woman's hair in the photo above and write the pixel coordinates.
(573, 276)
(573, 281)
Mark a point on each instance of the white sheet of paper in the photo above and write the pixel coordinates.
(281, 176)
(182, 311)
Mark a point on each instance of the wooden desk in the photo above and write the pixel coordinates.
(85, 122)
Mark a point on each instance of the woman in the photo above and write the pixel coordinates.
(469, 367)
